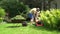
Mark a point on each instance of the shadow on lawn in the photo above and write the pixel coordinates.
(13, 26)
(43, 28)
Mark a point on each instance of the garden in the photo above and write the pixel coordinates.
(14, 19)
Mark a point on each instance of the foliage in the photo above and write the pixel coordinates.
(18, 17)
(51, 18)
(13, 6)
(2, 14)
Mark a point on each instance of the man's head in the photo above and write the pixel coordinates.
(37, 9)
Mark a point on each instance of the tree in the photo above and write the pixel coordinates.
(13, 6)
(47, 4)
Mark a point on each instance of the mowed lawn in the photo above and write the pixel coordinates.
(19, 29)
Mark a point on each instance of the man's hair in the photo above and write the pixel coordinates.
(37, 9)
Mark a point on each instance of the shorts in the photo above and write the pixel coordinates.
(30, 15)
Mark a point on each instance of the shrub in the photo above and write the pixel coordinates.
(18, 19)
(2, 14)
(51, 18)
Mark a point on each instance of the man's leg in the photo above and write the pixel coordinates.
(32, 21)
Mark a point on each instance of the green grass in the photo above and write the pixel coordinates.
(30, 29)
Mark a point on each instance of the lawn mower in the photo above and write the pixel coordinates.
(39, 23)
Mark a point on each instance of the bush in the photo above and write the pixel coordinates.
(18, 19)
(51, 18)
(2, 14)
(14, 7)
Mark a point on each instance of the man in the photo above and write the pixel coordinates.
(33, 15)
